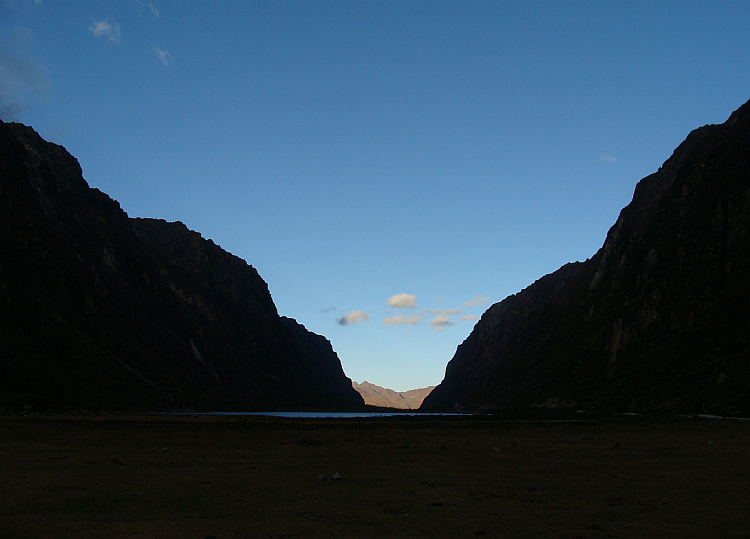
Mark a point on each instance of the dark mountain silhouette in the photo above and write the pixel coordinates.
(100, 311)
(658, 319)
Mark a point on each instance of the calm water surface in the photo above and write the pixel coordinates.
(318, 415)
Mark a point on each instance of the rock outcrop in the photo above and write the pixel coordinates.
(657, 319)
(326, 374)
(387, 398)
(100, 311)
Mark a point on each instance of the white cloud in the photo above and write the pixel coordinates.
(104, 28)
(445, 312)
(478, 301)
(608, 159)
(443, 318)
(440, 322)
(469, 317)
(402, 301)
(164, 56)
(401, 319)
(353, 317)
(154, 11)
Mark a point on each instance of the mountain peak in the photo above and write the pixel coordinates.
(100, 311)
(381, 397)
(657, 319)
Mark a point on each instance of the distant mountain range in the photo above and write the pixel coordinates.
(99, 311)
(657, 320)
(387, 398)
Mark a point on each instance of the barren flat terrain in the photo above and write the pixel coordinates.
(201, 477)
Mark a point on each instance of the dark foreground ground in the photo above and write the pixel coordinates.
(204, 477)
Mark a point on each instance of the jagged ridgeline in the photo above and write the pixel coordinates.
(658, 319)
(101, 311)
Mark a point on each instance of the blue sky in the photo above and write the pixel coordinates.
(390, 168)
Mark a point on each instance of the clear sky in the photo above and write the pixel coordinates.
(390, 168)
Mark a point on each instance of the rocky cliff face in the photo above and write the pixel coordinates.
(658, 319)
(100, 311)
(326, 375)
(387, 398)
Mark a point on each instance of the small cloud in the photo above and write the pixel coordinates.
(608, 159)
(470, 317)
(441, 321)
(401, 319)
(164, 56)
(402, 301)
(478, 301)
(328, 310)
(106, 29)
(353, 317)
(443, 318)
(148, 6)
(445, 312)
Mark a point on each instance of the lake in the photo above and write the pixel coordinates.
(323, 415)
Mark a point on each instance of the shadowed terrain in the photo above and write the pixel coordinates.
(408, 477)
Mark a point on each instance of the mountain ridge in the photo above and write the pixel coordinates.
(657, 320)
(382, 397)
(101, 311)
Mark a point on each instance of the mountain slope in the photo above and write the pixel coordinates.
(101, 311)
(658, 319)
(387, 398)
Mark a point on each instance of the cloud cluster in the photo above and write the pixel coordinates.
(111, 31)
(106, 29)
(353, 317)
(440, 320)
(402, 301)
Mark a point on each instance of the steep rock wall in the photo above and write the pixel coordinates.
(657, 319)
(100, 311)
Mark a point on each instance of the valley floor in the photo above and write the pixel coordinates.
(217, 477)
